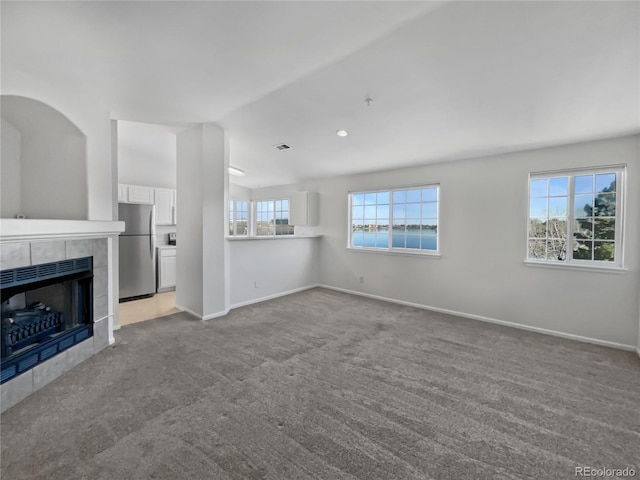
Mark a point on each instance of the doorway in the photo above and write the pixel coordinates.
(159, 305)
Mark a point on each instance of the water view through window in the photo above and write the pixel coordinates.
(413, 238)
(399, 219)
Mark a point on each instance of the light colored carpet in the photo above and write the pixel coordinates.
(324, 385)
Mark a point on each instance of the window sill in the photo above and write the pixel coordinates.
(271, 237)
(419, 253)
(575, 267)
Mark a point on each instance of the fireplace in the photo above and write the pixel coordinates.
(45, 262)
(46, 309)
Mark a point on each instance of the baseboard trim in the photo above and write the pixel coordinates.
(555, 333)
(202, 317)
(189, 311)
(271, 297)
(243, 304)
(211, 316)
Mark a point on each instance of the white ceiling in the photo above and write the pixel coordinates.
(448, 80)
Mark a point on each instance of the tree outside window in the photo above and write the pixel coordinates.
(575, 217)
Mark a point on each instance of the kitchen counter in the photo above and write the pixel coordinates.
(270, 237)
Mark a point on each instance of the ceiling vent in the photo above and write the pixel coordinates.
(282, 146)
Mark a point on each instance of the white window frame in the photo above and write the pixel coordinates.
(255, 217)
(570, 262)
(233, 218)
(394, 250)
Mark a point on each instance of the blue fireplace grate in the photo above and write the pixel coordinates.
(48, 352)
(27, 363)
(27, 360)
(8, 373)
(47, 340)
(22, 275)
(6, 276)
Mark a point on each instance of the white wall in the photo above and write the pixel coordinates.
(265, 268)
(52, 180)
(114, 271)
(213, 175)
(189, 248)
(483, 243)
(54, 176)
(10, 174)
(238, 192)
(202, 251)
(90, 117)
(146, 154)
(260, 269)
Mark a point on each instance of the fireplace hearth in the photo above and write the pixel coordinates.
(46, 309)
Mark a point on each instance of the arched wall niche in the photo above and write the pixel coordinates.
(43, 162)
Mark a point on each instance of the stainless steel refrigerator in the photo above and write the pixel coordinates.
(137, 250)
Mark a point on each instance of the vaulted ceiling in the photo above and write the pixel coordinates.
(448, 80)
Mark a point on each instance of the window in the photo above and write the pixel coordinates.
(576, 217)
(400, 220)
(238, 218)
(272, 218)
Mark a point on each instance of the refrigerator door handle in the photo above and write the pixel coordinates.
(152, 231)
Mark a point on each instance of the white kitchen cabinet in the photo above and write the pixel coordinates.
(166, 268)
(122, 193)
(304, 209)
(163, 198)
(165, 206)
(140, 194)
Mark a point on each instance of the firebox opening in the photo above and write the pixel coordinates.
(46, 309)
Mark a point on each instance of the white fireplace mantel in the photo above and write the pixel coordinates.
(12, 229)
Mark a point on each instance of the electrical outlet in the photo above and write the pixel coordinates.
(361, 279)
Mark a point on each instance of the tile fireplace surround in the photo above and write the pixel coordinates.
(31, 242)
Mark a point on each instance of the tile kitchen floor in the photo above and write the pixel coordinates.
(159, 305)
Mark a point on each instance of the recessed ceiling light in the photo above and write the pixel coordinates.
(342, 133)
(236, 171)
